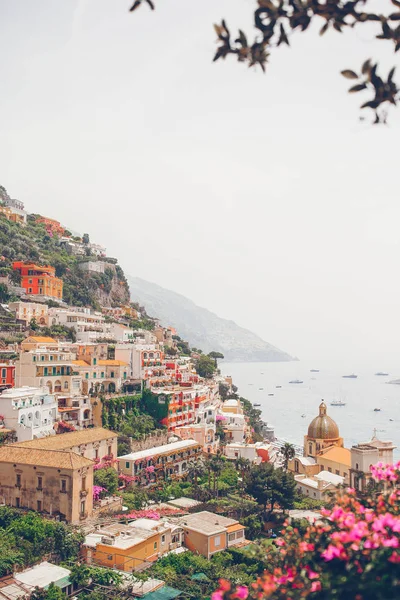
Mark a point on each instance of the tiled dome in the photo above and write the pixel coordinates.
(323, 427)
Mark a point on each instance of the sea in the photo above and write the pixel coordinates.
(292, 407)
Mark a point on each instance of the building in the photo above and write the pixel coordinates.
(133, 546)
(101, 375)
(26, 311)
(92, 266)
(23, 583)
(323, 450)
(88, 325)
(48, 365)
(53, 482)
(363, 456)
(94, 444)
(162, 462)
(39, 281)
(139, 357)
(14, 215)
(207, 533)
(30, 412)
(322, 434)
(255, 453)
(51, 225)
(317, 486)
(15, 206)
(202, 433)
(7, 372)
(76, 411)
(33, 342)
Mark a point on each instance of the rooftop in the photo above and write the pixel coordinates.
(206, 522)
(339, 455)
(330, 477)
(307, 461)
(183, 502)
(40, 340)
(64, 441)
(165, 449)
(42, 575)
(14, 453)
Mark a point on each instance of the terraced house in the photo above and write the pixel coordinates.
(39, 281)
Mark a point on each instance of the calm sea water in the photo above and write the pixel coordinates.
(357, 420)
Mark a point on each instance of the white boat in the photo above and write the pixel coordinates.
(256, 404)
(295, 381)
(338, 403)
(377, 410)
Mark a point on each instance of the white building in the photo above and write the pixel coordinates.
(366, 454)
(120, 333)
(317, 486)
(30, 411)
(255, 453)
(50, 367)
(26, 311)
(138, 357)
(88, 325)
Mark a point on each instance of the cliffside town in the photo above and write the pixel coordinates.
(118, 437)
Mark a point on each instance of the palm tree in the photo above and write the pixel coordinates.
(216, 465)
(288, 452)
(243, 465)
(195, 470)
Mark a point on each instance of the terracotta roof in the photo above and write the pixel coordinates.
(39, 339)
(63, 441)
(339, 455)
(112, 363)
(81, 363)
(42, 458)
(237, 527)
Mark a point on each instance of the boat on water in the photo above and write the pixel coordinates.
(381, 374)
(270, 394)
(303, 416)
(296, 381)
(377, 410)
(352, 376)
(314, 370)
(278, 387)
(391, 419)
(338, 403)
(260, 388)
(256, 404)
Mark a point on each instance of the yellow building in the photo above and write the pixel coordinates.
(48, 481)
(133, 546)
(336, 460)
(322, 434)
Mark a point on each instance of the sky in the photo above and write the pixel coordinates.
(260, 197)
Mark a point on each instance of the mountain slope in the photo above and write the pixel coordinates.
(202, 328)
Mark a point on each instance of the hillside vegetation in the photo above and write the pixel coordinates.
(33, 243)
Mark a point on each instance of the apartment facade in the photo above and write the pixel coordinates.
(94, 444)
(7, 372)
(39, 280)
(208, 533)
(47, 366)
(26, 311)
(30, 412)
(49, 482)
(162, 462)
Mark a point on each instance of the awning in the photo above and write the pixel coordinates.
(164, 593)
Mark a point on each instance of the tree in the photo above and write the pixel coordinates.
(51, 593)
(288, 452)
(216, 467)
(223, 389)
(271, 486)
(195, 471)
(85, 238)
(350, 553)
(205, 366)
(4, 294)
(275, 22)
(34, 324)
(215, 356)
(107, 478)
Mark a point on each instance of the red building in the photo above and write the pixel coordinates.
(7, 375)
(38, 280)
(51, 225)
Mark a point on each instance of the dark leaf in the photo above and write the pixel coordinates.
(366, 67)
(395, 17)
(349, 74)
(372, 17)
(135, 5)
(370, 104)
(396, 3)
(324, 28)
(391, 74)
(358, 88)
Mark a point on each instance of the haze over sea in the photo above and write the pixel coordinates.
(285, 408)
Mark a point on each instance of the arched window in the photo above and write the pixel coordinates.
(296, 466)
(310, 448)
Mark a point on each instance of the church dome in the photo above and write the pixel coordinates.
(323, 427)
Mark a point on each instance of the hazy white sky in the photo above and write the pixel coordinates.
(260, 197)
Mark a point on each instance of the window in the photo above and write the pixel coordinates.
(94, 375)
(65, 385)
(51, 357)
(30, 281)
(127, 465)
(4, 372)
(163, 539)
(357, 466)
(102, 374)
(17, 502)
(18, 482)
(112, 374)
(296, 466)
(83, 507)
(40, 483)
(42, 357)
(39, 506)
(110, 556)
(310, 448)
(29, 290)
(86, 375)
(63, 485)
(95, 361)
(337, 472)
(239, 534)
(155, 545)
(109, 450)
(330, 470)
(83, 483)
(96, 453)
(231, 537)
(217, 541)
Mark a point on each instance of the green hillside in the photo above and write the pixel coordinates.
(32, 242)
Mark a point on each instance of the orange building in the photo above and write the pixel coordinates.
(51, 225)
(38, 280)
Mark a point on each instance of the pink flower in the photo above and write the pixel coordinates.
(280, 542)
(395, 557)
(331, 552)
(242, 592)
(217, 596)
(316, 586)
